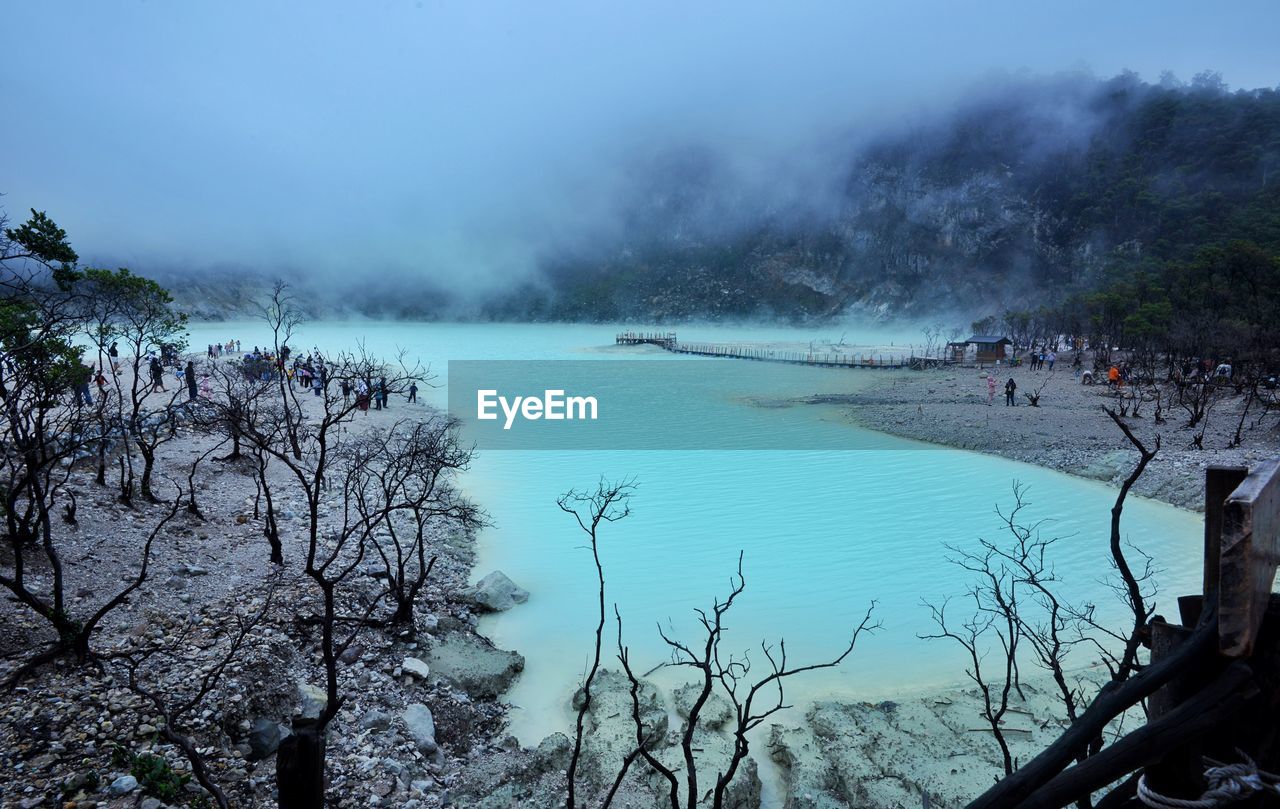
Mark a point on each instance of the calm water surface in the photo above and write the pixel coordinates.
(823, 533)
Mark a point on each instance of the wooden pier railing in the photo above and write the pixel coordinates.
(666, 340)
(669, 342)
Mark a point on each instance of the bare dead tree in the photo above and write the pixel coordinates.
(1034, 396)
(1250, 395)
(646, 737)
(1131, 681)
(235, 395)
(152, 430)
(270, 525)
(752, 700)
(1055, 627)
(193, 507)
(991, 614)
(74, 635)
(1196, 395)
(932, 341)
(331, 566)
(283, 317)
(175, 710)
(1014, 600)
(609, 502)
(1131, 582)
(308, 439)
(1157, 396)
(409, 470)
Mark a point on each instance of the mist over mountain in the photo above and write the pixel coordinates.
(1023, 193)
(1026, 192)
(753, 159)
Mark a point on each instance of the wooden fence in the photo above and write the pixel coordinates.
(829, 359)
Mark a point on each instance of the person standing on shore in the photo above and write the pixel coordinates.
(190, 377)
(413, 391)
(1009, 388)
(157, 375)
(383, 392)
(991, 389)
(1052, 358)
(114, 353)
(346, 392)
(85, 373)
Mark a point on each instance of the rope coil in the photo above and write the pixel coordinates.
(1228, 783)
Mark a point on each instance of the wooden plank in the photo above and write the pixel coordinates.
(1219, 483)
(1250, 555)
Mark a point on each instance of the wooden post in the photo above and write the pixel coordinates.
(1219, 483)
(1241, 549)
(1178, 773)
(1250, 555)
(300, 767)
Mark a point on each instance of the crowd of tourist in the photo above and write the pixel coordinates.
(307, 373)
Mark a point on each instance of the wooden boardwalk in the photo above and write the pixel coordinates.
(668, 342)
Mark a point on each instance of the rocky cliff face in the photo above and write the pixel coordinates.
(901, 244)
(1013, 199)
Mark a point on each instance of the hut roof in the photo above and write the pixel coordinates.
(988, 339)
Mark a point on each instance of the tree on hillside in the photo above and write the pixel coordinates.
(138, 313)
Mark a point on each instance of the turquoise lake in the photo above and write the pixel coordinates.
(824, 532)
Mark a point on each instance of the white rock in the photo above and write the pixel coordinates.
(496, 592)
(416, 667)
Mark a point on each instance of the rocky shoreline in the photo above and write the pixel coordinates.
(419, 706)
(1068, 432)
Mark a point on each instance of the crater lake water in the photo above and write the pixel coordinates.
(823, 533)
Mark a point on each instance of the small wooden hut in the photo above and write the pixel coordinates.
(990, 347)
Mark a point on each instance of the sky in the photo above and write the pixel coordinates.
(454, 139)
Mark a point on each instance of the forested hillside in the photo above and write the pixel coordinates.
(1024, 196)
